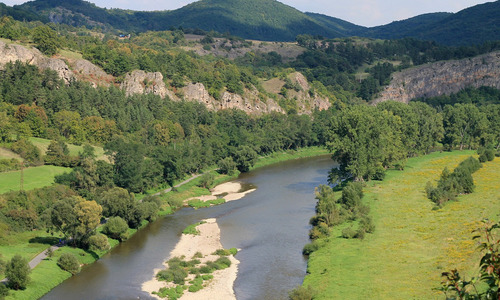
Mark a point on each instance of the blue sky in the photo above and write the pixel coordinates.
(360, 12)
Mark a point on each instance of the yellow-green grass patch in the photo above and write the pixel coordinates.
(412, 243)
(74, 150)
(34, 177)
(8, 154)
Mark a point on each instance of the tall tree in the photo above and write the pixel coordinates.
(17, 272)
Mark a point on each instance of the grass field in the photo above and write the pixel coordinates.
(43, 144)
(412, 243)
(8, 154)
(35, 177)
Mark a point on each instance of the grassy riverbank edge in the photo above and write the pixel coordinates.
(47, 275)
(413, 243)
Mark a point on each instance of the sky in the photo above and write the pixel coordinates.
(360, 12)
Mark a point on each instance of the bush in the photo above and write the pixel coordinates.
(348, 233)
(223, 262)
(206, 180)
(310, 248)
(191, 229)
(28, 151)
(367, 225)
(69, 262)
(302, 293)
(225, 252)
(17, 272)
(116, 228)
(352, 194)
(360, 233)
(227, 166)
(98, 242)
(4, 291)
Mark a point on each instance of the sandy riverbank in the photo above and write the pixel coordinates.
(230, 191)
(207, 242)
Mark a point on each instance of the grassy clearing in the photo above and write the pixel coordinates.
(48, 274)
(8, 154)
(412, 243)
(43, 144)
(70, 54)
(36, 177)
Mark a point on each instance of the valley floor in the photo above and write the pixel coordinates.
(412, 243)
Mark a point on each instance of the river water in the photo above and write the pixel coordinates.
(270, 226)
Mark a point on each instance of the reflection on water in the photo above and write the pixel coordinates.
(270, 225)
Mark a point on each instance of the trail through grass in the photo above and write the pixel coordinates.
(412, 243)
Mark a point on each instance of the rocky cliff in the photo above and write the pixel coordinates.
(140, 82)
(252, 102)
(443, 78)
(11, 53)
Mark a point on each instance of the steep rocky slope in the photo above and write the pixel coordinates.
(140, 82)
(443, 78)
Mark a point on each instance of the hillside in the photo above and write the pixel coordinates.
(261, 19)
(405, 28)
(443, 78)
(269, 20)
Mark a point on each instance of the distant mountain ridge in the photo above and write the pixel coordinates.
(270, 20)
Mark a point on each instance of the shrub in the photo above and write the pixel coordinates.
(227, 166)
(310, 248)
(223, 262)
(206, 180)
(98, 242)
(191, 229)
(206, 269)
(198, 255)
(348, 233)
(225, 252)
(367, 225)
(352, 194)
(28, 151)
(116, 228)
(69, 262)
(360, 233)
(4, 291)
(302, 293)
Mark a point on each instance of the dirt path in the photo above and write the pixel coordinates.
(178, 185)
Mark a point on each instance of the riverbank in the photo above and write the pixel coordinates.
(412, 243)
(48, 275)
(206, 242)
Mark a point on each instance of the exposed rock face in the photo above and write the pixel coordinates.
(140, 82)
(444, 78)
(12, 53)
(197, 92)
(250, 102)
(87, 71)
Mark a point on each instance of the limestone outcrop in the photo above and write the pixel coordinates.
(12, 53)
(443, 78)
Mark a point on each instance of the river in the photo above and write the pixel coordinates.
(270, 226)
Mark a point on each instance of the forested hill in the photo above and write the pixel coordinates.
(473, 25)
(269, 20)
(257, 19)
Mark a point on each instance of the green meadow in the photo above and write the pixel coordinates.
(413, 242)
(35, 177)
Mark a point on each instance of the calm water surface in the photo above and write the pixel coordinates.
(270, 225)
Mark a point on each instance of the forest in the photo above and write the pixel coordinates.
(152, 142)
